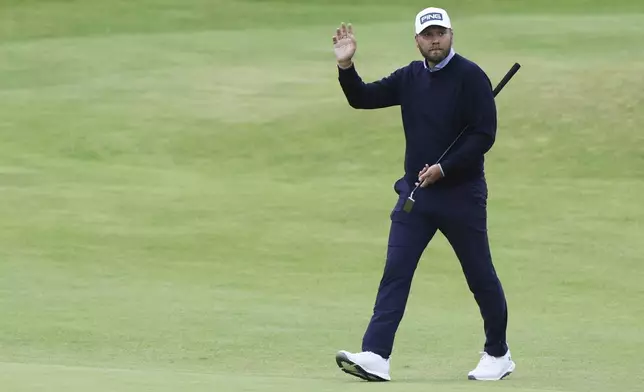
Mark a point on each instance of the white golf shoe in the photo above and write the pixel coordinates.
(492, 368)
(365, 365)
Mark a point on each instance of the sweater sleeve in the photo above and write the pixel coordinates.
(379, 94)
(481, 122)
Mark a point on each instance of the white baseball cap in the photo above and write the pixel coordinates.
(432, 17)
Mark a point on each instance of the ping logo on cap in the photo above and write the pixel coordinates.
(431, 16)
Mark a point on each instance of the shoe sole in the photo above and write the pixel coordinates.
(507, 373)
(352, 368)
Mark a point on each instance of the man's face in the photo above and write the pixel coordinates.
(434, 43)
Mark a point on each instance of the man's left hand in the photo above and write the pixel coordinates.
(429, 175)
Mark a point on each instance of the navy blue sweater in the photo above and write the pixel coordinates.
(435, 107)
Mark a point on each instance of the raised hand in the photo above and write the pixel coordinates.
(344, 45)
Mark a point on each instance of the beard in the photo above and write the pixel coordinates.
(435, 55)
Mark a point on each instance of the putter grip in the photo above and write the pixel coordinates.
(506, 78)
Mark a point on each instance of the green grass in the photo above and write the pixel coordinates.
(188, 203)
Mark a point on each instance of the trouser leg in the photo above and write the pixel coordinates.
(408, 237)
(466, 230)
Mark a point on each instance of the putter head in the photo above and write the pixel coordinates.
(409, 204)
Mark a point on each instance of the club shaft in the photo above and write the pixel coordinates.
(495, 92)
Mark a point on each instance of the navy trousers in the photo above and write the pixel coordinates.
(460, 213)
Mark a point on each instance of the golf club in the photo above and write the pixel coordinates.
(409, 203)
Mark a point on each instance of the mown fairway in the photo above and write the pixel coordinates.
(187, 202)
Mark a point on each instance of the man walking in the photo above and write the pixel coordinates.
(439, 97)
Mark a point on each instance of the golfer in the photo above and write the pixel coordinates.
(438, 97)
